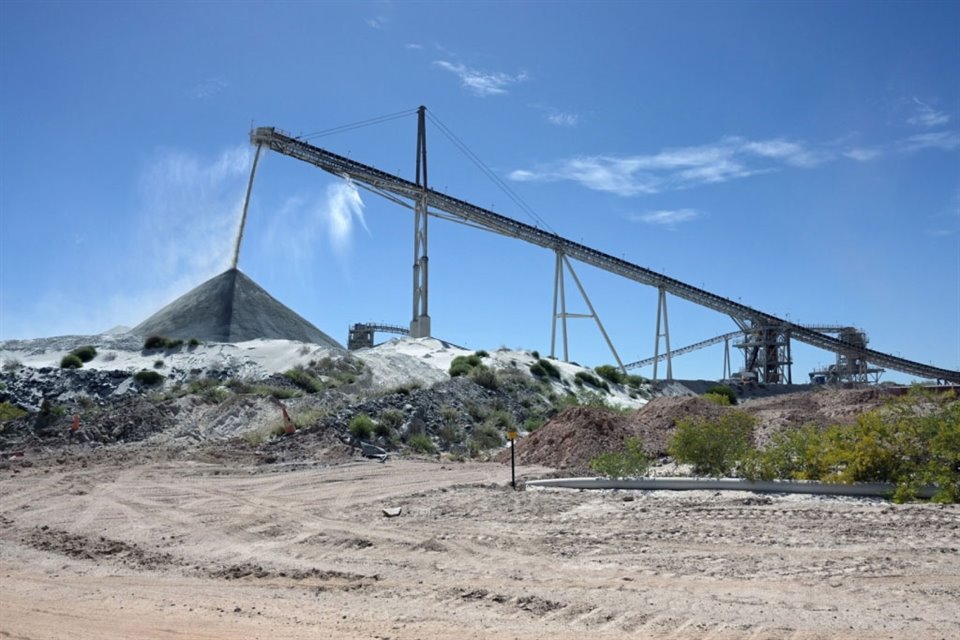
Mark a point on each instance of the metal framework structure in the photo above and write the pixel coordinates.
(361, 334)
(417, 195)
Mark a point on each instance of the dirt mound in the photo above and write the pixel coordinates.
(572, 438)
(231, 308)
(655, 422)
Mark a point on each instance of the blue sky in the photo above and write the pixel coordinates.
(803, 158)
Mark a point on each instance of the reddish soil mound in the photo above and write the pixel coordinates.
(572, 438)
(656, 420)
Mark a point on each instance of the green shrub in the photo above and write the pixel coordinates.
(158, 364)
(611, 373)
(148, 378)
(713, 447)
(450, 434)
(10, 411)
(535, 354)
(193, 343)
(913, 442)
(723, 390)
(405, 389)
(278, 392)
(449, 414)
(85, 353)
(155, 342)
(463, 365)
(717, 398)
(304, 379)
(635, 381)
(421, 443)
(71, 361)
(481, 354)
(632, 462)
(361, 426)
(592, 380)
(383, 430)
(501, 420)
(533, 423)
(792, 454)
(537, 370)
(485, 377)
(210, 389)
(486, 436)
(391, 418)
(550, 368)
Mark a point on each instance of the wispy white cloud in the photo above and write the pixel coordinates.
(862, 154)
(208, 88)
(341, 212)
(563, 118)
(481, 83)
(667, 218)
(730, 158)
(413, 46)
(943, 140)
(378, 22)
(926, 116)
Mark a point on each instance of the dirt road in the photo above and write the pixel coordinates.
(183, 549)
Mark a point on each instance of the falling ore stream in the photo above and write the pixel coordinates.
(243, 216)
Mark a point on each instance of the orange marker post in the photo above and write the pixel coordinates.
(76, 423)
(287, 422)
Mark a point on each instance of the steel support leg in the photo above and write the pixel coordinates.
(662, 312)
(594, 314)
(420, 322)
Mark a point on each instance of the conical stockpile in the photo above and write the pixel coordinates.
(231, 307)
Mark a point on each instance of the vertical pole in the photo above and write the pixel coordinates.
(556, 292)
(563, 308)
(656, 341)
(246, 205)
(727, 374)
(666, 335)
(420, 322)
(513, 466)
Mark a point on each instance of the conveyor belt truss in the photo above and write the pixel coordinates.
(407, 194)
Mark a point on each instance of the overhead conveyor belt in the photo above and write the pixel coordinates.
(397, 189)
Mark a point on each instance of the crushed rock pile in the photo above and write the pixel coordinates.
(655, 422)
(231, 307)
(572, 438)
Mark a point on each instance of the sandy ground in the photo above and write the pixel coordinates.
(181, 549)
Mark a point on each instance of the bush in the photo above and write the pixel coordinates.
(303, 379)
(550, 368)
(10, 411)
(537, 370)
(391, 418)
(193, 343)
(148, 378)
(713, 447)
(449, 414)
(421, 443)
(481, 354)
(611, 373)
(501, 420)
(485, 377)
(361, 426)
(533, 423)
(632, 462)
(450, 434)
(486, 436)
(592, 380)
(210, 390)
(155, 342)
(717, 398)
(635, 381)
(158, 364)
(71, 361)
(280, 393)
(723, 390)
(535, 354)
(463, 365)
(793, 454)
(85, 353)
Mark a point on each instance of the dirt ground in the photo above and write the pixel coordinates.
(188, 549)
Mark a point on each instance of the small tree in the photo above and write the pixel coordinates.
(713, 447)
(85, 353)
(723, 390)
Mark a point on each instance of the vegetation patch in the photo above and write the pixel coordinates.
(632, 462)
(713, 447)
(10, 411)
(85, 353)
(588, 378)
(70, 361)
(304, 379)
(611, 373)
(361, 426)
(723, 390)
(421, 443)
(148, 378)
